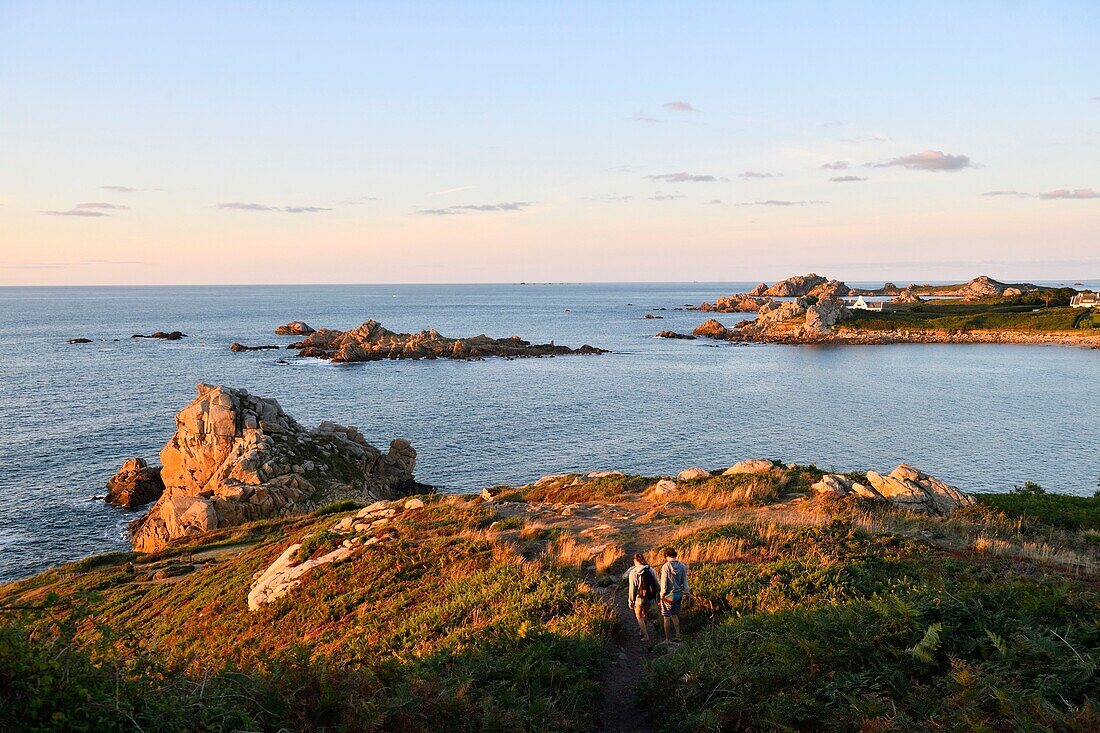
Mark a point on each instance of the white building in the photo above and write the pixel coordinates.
(859, 304)
(1085, 300)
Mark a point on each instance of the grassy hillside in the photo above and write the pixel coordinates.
(953, 315)
(806, 615)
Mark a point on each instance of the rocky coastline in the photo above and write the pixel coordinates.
(373, 342)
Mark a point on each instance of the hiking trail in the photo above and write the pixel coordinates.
(619, 712)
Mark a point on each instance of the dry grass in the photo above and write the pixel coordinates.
(723, 492)
(567, 552)
(723, 550)
(1041, 552)
(531, 531)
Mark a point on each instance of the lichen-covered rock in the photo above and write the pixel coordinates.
(910, 488)
(236, 457)
(693, 474)
(281, 576)
(824, 314)
(750, 465)
(135, 484)
(373, 342)
(737, 303)
(829, 289)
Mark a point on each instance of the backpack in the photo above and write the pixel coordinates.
(647, 585)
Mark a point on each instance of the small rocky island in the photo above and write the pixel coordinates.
(374, 342)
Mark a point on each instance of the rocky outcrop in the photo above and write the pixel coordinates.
(981, 287)
(909, 295)
(823, 315)
(737, 303)
(674, 335)
(135, 484)
(750, 465)
(830, 289)
(373, 342)
(295, 328)
(794, 287)
(759, 290)
(693, 474)
(711, 329)
(165, 335)
(241, 347)
(283, 575)
(905, 488)
(79, 341)
(236, 457)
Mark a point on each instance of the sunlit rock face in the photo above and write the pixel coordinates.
(236, 457)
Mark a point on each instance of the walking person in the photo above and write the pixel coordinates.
(674, 586)
(642, 590)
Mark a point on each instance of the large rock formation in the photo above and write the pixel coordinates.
(711, 328)
(372, 342)
(981, 287)
(830, 289)
(236, 457)
(135, 484)
(905, 488)
(796, 286)
(799, 320)
(823, 315)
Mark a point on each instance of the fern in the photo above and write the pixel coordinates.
(927, 646)
(998, 642)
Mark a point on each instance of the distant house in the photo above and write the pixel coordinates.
(1085, 300)
(859, 304)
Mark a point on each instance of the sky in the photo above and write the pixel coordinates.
(374, 142)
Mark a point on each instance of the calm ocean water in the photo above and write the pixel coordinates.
(981, 417)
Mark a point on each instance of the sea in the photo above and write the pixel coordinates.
(981, 417)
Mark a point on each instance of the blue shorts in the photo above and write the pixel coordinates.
(671, 608)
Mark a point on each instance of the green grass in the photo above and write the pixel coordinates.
(1057, 510)
(957, 315)
(831, 630)
(439, 629)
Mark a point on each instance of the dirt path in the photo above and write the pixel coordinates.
(619, 712)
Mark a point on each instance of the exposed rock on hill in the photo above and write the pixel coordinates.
(136, 483)
(796, 286)
(905, 487)
(373, 342)
(759, 289)
(830, 289)
(236, 457)
(295, 328)
(982, 286)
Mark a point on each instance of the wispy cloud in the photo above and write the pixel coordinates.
(684, 178)
(679, 106)
(929, 160)
(100, 205)
(357, 201)
(468, 208)
(625, 168)
(838, 165)
(1017, 194)
(774, 202)
(250, 206)
(639, 117)
(75, 212)
(877, 138)
(847, 179)
(758, 174)
(1076, 193)
(714, 201)
(456, 189)
(56, 265)
(615, 198)
(120, 189)
(667, 197)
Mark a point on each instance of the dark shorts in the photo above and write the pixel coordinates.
(671, 607)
